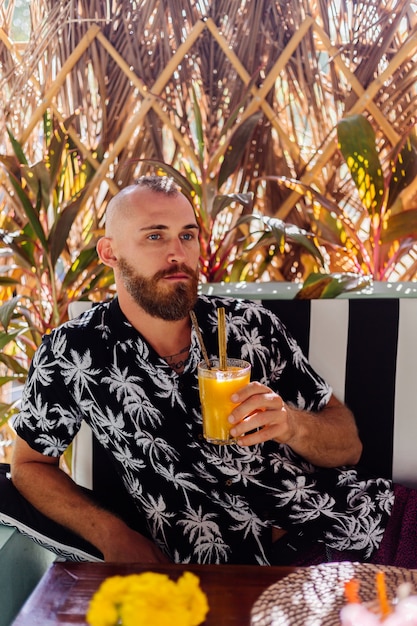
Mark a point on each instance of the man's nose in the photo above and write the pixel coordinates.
(176, 251)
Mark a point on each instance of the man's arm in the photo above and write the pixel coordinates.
(40, 480)
(328, 438)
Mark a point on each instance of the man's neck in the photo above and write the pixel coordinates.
(167, 338)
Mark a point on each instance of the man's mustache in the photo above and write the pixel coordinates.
(176, 269)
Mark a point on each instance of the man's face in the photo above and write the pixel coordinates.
(154, 239)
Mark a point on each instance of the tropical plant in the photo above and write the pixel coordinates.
(237, 240)
(48, 231)
(372, 237)
(303, 64)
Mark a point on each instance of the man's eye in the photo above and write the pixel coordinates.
(154, 236)
(188, 236)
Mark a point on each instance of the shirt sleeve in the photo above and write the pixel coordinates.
(49, 417)
(292, 375)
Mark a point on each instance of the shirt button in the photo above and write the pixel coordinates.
(229, 483)
(200, 436)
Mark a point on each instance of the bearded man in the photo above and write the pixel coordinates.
(128, 368)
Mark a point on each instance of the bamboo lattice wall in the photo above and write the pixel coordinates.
(131, 80)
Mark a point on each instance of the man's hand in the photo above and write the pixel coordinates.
(328, 438)
(129, 546)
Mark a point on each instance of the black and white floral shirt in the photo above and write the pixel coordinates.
(201, 502)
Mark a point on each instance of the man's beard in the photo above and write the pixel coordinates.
(170, 304)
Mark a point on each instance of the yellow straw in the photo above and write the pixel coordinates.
(200, 339)
(221, 322)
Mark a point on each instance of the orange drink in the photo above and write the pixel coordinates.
(216, 386)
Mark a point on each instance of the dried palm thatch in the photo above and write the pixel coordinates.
(137, 77)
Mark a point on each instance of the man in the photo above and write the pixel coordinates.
(129, 369)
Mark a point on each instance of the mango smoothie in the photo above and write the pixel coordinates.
(216, 387)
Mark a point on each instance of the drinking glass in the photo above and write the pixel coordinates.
(216, 386)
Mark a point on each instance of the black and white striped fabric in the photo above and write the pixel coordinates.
(367, 350)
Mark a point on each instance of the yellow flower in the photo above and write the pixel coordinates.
(148, 598)
(195, 600)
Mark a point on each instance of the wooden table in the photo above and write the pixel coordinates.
(63, 594)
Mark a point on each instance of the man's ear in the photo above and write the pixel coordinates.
(105, 251)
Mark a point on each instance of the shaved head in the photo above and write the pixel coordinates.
(121, 205)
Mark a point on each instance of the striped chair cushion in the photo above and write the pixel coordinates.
(366, 349)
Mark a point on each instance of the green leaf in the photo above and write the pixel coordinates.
(8, 337)
(56, 147)
(400, 226)
(102, 280)
(79, 266)
(7, 410)
(7, 311)
(304, 239)
(11, 164)
(357, 143)
(38, 179)
(238, 143)
(223, 201)
(17, 148)
(7, 280)
(309, 192)
(31, 212)
(198, 124)
(61, 228)
(237, 270)
(278, 232)
(13, 364)
(20, 246)
(326, 286)
(47, 125)
(403, 169)
(12, 379)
